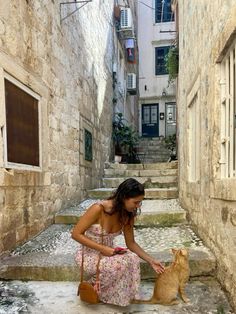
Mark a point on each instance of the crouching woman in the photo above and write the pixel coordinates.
(119, 269)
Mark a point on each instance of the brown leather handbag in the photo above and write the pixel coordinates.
(87, 292)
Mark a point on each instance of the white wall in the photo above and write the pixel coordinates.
(151, 35)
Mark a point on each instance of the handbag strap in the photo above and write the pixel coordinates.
(99, 257)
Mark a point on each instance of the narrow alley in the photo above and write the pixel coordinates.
(94, 92)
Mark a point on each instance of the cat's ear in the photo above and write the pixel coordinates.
(184, 252)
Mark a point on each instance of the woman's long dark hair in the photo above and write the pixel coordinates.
(127, 189)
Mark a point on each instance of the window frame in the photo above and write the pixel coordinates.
(13, 165)
(227, 114)
(158, 6)
(194, 133)
(167, 48)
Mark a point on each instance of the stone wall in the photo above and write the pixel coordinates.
(206, 29)
(69, 65)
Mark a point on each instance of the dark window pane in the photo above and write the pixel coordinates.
(163, 11)
(160, 64)
(22, 126)
(88, 145)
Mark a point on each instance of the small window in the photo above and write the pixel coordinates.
(160, 63)
(22, 126)
(163, 11)
(88, 145)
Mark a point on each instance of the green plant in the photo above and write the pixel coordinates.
(170, 144)
(124, 137)
(172, 63)
(220, 309)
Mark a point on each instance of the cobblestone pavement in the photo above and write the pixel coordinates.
(40, 297)
(57, 239)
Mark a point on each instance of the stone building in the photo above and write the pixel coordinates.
(206, 127)
(156, 35)
(125, 61)
(56, 107)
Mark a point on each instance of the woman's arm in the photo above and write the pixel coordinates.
(91, 216)
(134, 247)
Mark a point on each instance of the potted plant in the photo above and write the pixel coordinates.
(125, 139)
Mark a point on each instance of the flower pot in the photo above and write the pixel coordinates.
(118, 159)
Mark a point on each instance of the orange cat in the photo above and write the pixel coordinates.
(172, 281)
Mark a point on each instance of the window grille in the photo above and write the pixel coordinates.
(228, 114)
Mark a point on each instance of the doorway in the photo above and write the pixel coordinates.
(150, 121)
(170, 118)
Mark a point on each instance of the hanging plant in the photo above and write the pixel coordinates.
(172, 63)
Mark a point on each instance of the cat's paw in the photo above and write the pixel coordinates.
(186, 300)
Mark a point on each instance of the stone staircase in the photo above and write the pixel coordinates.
(161, 226)
(152, 150)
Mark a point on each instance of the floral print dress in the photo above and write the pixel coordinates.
(119, 274)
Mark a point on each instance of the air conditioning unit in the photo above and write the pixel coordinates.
(131, 83)
(126, 21)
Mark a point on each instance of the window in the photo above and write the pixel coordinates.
(194, 133)
(22, 125)
(163, 11)
(228, 114)
(160, 64)
(88, 145)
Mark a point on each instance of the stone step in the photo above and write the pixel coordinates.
(111, 173)
(152, 160)
(151, 140)
(150, 193)
(149, 149)
(50, 255)
(148, 182)
(39, 297)
(153, 213)
(154, 166)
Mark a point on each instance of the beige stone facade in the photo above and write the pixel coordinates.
(66, 60)
(207, 190)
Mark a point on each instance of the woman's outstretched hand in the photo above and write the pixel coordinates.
(157, 266)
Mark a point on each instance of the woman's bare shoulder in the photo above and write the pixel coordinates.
(95, 208)
(107, 205)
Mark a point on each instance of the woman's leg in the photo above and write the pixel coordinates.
(120, 278)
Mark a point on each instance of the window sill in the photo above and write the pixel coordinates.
(166, 22)
(21, 178)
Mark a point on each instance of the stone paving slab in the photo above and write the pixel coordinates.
(150, 193)
(153, 212)
(50, 255)
(206, 297)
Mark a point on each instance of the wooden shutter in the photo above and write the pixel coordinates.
(22, 126)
